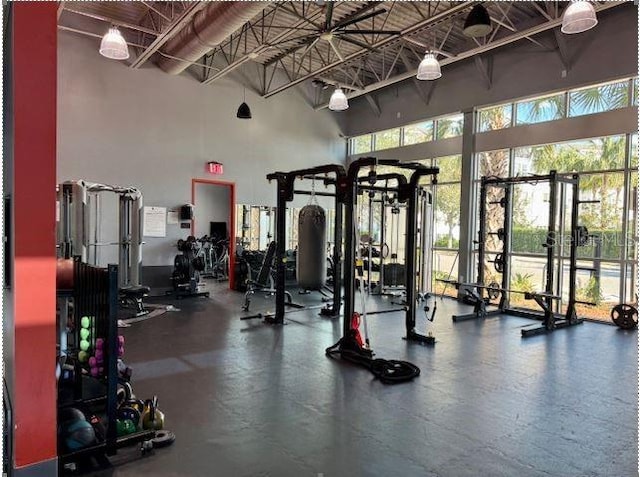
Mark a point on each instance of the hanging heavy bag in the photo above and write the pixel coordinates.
(152, 417)
(311, 268)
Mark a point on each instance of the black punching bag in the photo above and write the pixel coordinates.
(311, 264)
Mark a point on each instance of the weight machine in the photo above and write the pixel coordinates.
(549, 300)
(78, 233)
(417, 200)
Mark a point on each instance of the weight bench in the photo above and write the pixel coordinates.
(264, 282)
(131, 299)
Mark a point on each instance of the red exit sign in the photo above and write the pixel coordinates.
(215, 168)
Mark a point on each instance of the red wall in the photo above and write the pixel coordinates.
(34, 97)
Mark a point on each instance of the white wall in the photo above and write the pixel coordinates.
(153, 131)
(212, 204)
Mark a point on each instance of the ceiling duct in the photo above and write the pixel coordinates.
(208, 28)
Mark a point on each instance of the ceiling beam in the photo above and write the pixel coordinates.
(476, 51)
(486, 69)
(136, 45)
(407, 31)
(178, 24)
(157, 11)
(375, 107)
(261, 48)
(113, 21)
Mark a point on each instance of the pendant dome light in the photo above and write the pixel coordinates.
(478, 22)
(429, 68)
(338, 101)
(578, 17)
(244, 111)
(113, 45)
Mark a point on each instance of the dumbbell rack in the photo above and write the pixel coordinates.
(94, 293)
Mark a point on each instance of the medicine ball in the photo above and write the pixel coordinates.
(78, 434)
(68, 415)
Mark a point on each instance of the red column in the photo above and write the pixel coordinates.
(34, 97)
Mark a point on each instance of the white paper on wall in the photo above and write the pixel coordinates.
(155, 222)
(173, 217)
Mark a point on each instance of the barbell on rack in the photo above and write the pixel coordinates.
(494, 289)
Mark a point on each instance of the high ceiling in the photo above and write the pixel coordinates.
(361, 46)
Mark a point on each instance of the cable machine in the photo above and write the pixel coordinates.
(409, 192)
(79, 229)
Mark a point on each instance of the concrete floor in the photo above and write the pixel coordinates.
(246, 399)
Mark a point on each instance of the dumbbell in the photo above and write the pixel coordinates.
(99, 356)
(93, 366)
(120, 346)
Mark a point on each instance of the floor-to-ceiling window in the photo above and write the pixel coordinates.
(607, 170)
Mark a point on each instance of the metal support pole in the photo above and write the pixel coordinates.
(136, 241)
(482, 236)
(571, 314)
(281, 231)
(337, 255)
(552, 240)
(410, 260)
(111, 349)
(349, 256)
(506, 245)
(124, 238)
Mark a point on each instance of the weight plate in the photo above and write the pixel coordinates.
(494, 290)
(498, 263)
(625, 316)
(181, 263)
(198, 264)
(501, 234)
(163, 438)
(582, 236)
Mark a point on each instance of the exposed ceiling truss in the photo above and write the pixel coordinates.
(361, 46)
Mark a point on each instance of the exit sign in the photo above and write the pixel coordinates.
(215, 168)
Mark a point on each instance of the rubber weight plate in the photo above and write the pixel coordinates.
(163, 438)
(493, 291)
(625, 316)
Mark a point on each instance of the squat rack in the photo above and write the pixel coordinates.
(548, 299)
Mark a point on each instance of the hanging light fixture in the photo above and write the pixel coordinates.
(338, 101)
(578, 17)
(429, 68)
(244, 112)
(113, 45)
(478, 22)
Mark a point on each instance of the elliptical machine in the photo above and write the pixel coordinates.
(186, 270)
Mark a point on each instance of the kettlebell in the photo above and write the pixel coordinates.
(125, 426)
(152, 417)
(137, 404)
(128, 413)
